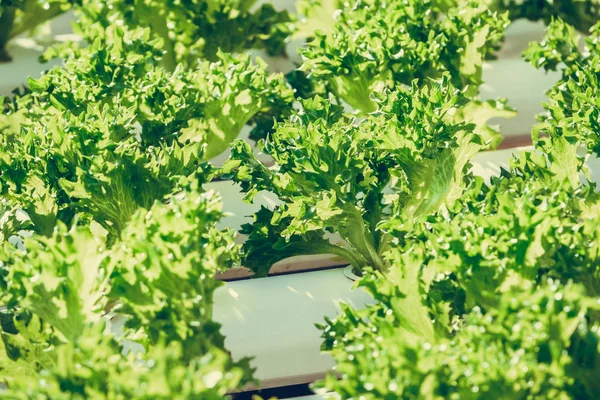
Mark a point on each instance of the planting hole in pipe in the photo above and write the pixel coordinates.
(349, 273)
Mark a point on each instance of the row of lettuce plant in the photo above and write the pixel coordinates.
(192, 28)
(189, 29)
(113, 129)
(102, 162)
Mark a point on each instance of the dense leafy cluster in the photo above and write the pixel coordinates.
(190, 31)
(571, 118)
(194, 30)
(109, 245)
(373, 44)
(537, 342)
(370, 46)
(500, 301)
(497, 296)
(160, 280)
(582, 14)
(111, 131)
(473, 30)
(339, 175)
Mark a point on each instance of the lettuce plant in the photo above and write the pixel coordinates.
(213, 101)
(581, 14)
(190, 31)
(56, 343)
(537, 343)
(374, 44)
(539, 230)
(111, 131)
(570, 118)
(339, 175)
(194, 30)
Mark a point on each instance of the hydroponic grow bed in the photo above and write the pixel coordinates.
(271, 320)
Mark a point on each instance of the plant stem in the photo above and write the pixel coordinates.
(358, 235)
(29, 20)
(353, 259)
(356, 91)
(32, 18)
(169, 60)
(7, 20)
(156, 18)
